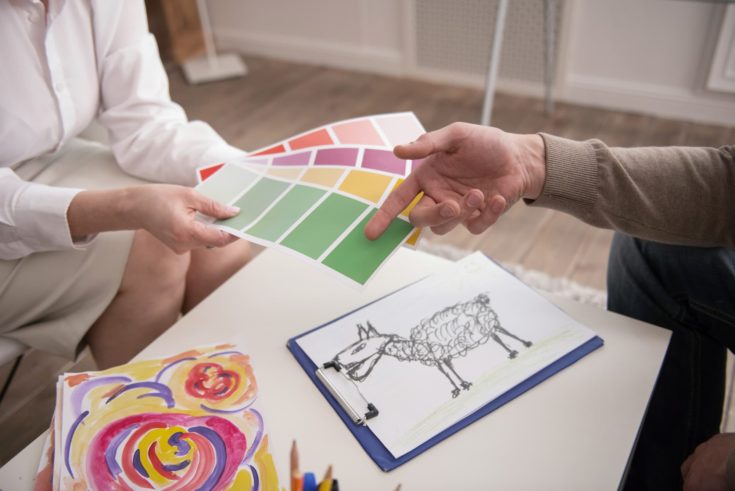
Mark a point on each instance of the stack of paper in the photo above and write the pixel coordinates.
(313, 193)
(184, 422)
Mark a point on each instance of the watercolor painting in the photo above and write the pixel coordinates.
(184, 422)
(436, 341)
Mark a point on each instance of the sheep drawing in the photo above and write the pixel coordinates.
(435, 342)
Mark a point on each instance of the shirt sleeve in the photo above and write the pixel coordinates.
(33, 217)
(149, 133)
(676, 195)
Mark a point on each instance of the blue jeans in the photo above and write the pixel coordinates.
(690, 291)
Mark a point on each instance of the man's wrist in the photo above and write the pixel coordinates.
(533, 161)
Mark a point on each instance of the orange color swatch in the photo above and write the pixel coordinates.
(313, 139)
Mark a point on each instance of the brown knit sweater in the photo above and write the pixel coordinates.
(677, 195)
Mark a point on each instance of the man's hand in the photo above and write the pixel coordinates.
(471, 174)
(705, 468)
(168, 212)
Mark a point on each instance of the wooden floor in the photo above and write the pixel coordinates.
(278, 99)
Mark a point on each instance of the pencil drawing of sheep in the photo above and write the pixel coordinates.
(435, 342)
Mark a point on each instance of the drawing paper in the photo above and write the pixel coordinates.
(184, 422)
(432, 354)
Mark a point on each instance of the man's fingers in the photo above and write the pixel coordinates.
(685, 466)
(441, 140)
(396, 202)
(489, 215)
(429, 213)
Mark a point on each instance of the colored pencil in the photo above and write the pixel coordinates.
(297, 480)
(326, 484)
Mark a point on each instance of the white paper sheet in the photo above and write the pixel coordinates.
(432, 353)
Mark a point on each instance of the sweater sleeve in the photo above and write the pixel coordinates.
(676, 195)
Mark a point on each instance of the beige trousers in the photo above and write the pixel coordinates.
(49, 300)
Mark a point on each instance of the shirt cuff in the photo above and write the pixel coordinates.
(41, 218)
(571, 176)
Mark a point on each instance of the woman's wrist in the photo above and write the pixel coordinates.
(91, 212)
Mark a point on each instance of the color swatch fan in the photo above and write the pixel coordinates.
(313, 194)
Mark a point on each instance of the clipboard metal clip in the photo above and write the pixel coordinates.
(349, 408)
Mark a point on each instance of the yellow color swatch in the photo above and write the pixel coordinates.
(414, 238)
(290, 173)
(366, 185)
(410, 206)
(324, 177)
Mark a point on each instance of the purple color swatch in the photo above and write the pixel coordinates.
(385, 161)
(301, 158)
(336, 156)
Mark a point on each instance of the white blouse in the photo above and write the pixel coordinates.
(58, 71)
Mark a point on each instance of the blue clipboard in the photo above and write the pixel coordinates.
(372, 445)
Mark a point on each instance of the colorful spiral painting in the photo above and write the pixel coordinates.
(186, 422)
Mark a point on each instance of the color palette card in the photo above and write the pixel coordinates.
(315, 203)
(313, 193)
(379, 130)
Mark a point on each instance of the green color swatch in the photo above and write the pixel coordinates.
(317, 232)
(254, 202)
(288, 209)
(226, 183)
(357, 257)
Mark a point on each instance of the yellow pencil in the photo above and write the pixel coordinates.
(326, 484)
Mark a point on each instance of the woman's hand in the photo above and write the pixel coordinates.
(168, 212)
(470, 174)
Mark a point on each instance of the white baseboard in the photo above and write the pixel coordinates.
(506, 85)
(312, 51)
(578, 89)
(657, 100)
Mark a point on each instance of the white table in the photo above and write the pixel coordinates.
(573, 431)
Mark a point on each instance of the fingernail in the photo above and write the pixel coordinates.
(446, 212)
(474, 201)
(233, 209)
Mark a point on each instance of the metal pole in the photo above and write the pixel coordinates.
(550, 9)
(492, 69)
(207, 33)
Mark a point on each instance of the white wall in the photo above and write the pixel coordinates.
(356, 34)
(648, 56)
(645, 55)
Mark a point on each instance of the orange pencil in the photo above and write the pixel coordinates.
(297, 479)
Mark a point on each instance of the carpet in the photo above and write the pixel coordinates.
(539, 280)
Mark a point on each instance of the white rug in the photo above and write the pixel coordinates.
(536, 279)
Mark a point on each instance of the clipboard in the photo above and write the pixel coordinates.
(355, 411)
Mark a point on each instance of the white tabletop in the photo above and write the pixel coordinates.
(573, 431)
